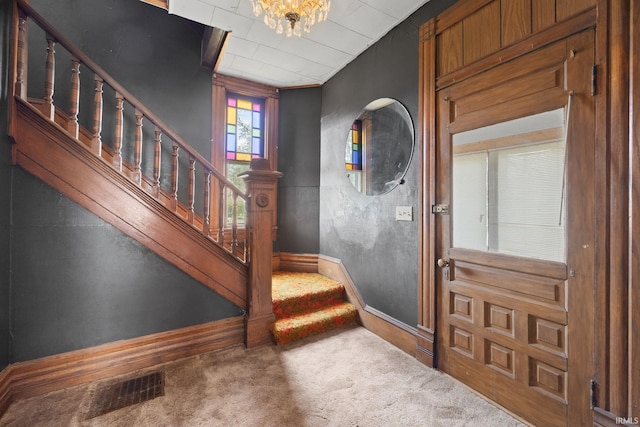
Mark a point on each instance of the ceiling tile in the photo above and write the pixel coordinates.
(367, 21)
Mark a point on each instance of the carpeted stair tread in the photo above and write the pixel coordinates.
(296, 292)
(305, 324)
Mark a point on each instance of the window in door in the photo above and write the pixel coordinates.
(508, 187)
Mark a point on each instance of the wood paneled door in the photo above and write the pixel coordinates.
(515, 231)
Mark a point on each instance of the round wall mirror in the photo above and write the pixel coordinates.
(379, 147)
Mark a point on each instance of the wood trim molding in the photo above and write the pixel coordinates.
(602, 418)
(5, 389)
(307, 263)
(425, 341)
(634, 285)
(387, 328)
(40, 376)
(162, 4)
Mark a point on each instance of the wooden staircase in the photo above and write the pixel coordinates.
(183, 209)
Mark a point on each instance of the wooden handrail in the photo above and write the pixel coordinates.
(235, 242)
(148, 114)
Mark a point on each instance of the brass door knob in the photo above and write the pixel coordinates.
(443, 263)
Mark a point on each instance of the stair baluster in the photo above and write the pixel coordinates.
(21, 63)
(222, 217)
(206, 216)
(75, 97)
(117, 157)
(96, 142)
(49, 80)
(174, 178)
(137, 154)
(157, 157)
(192, 184)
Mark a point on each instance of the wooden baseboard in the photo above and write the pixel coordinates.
(397, 333)
(36, 377)
(5, 389)
(603, 418)
(306, 263)
(425, 351)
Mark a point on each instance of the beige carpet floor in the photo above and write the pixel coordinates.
(345, 378)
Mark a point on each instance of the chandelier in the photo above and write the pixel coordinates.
(289, 15)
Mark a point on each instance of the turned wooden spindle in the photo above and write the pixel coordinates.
(21, 66)
(75, 97)
(206, 216)
(174, 178)
(234, 224)
(96, 141)
(117, 155)
(49, 79)
(157, 158)
(221, 213)
(137, 149)
(192, 186)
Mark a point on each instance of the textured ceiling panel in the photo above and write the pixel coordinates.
(257, 53)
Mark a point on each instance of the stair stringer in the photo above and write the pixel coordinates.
(45, 150)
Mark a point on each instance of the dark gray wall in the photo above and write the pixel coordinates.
(5, 188)
(380, 253)
(299, 160)
(80, 282)
(154, 55)
(77, 281)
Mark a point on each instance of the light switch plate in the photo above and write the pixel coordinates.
(404, 213)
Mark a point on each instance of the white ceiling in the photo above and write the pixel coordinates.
(255, 52)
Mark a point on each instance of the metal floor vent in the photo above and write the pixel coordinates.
(116, 396)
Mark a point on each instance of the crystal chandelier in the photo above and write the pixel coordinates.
(289, 15)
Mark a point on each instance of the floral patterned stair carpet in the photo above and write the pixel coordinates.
(307, 304)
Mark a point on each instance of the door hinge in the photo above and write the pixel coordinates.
(594, 80)
(593, 401)
(440, 209)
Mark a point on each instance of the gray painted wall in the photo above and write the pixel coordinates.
(5, 189)
(299, 160)
(77, 281)
(380, 253)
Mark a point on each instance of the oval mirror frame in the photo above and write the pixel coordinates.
(379, 147)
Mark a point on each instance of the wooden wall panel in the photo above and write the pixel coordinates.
(481, 33)
(568, 8)
(450, 49)
(515, 20)
(543, 14)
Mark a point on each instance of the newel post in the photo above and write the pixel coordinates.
(262, 190)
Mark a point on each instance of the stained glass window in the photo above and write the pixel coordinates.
(353, 152)
(245, 128)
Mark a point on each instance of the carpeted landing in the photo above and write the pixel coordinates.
(307, 304)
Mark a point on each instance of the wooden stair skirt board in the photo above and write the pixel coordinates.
(391, 330)
(36, 377)
(45, 150)
(307, 304)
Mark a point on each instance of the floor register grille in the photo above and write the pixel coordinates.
(111, 397)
